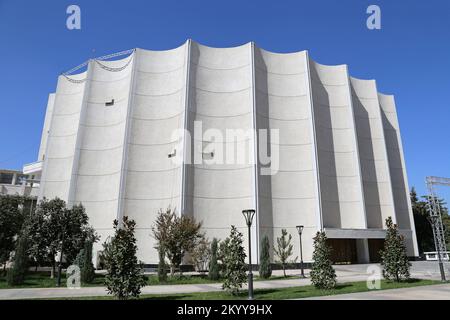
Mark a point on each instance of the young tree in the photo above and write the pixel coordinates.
(84, 258)
(284, 249)
(265, 270)
(124, 277)
(213, 271)
(394, 258)
(11, 221)
(16, 275)
(201, 254)
(162, 268)
(176, 235)
(233, 256)
(323, 276)
(87, 268)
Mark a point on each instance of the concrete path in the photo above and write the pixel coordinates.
(345, 273)
(434, 292)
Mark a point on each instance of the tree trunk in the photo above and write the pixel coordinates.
(172, 270)
(52, 274)
(60, 264)
(284, 270)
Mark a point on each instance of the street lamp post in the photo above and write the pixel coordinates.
(300, 230)
(433, 220)
(248, 215)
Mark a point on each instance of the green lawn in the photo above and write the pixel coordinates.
(199, 279)
(278, 294)
(43, 280)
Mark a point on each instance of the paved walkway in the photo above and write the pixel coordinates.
(434, 292)
(345, 273)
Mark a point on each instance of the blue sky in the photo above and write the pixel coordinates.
(409, 56)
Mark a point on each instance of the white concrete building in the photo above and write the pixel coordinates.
(341, 167)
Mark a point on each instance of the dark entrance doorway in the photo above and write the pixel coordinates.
(344, 250)
(375, 245)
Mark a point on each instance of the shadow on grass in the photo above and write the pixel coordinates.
(168, 298)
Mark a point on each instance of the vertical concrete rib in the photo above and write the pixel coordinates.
(186, 152)
(79, 138)
(255, 248)
(316, 153)
(126, 139)
(397, 167)
(355, 139)
(394, 215)
(45, 158)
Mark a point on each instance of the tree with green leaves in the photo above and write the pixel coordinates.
(233, 260)
(16, 275)
(124, 277)
(39, 240)
(213, 271)
(265, 269)
(323, 276)
(11, 220)
(87, 268)
(57, 230)
(177, 235)
(424, 231)
(394, 259)
(284, 249)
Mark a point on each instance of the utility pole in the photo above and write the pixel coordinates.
(435, 219)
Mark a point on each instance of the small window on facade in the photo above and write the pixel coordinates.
(109, 103)
(208, 155)
(173, 154)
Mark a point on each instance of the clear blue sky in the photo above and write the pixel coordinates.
(409, 56)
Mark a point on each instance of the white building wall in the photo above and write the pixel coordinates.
(374, 163)
(289, 197)
(339, 169)
(397, 169)
(220, 96)
(62, 136)
(153, 180)
(46, 127)
(98, 168)
(341, 164)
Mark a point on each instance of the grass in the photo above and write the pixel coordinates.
(200, 279)
(277, 294)
(42, 280)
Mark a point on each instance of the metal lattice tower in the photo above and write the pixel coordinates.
(434, 210)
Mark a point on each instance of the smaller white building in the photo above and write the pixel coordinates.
(23, 183)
